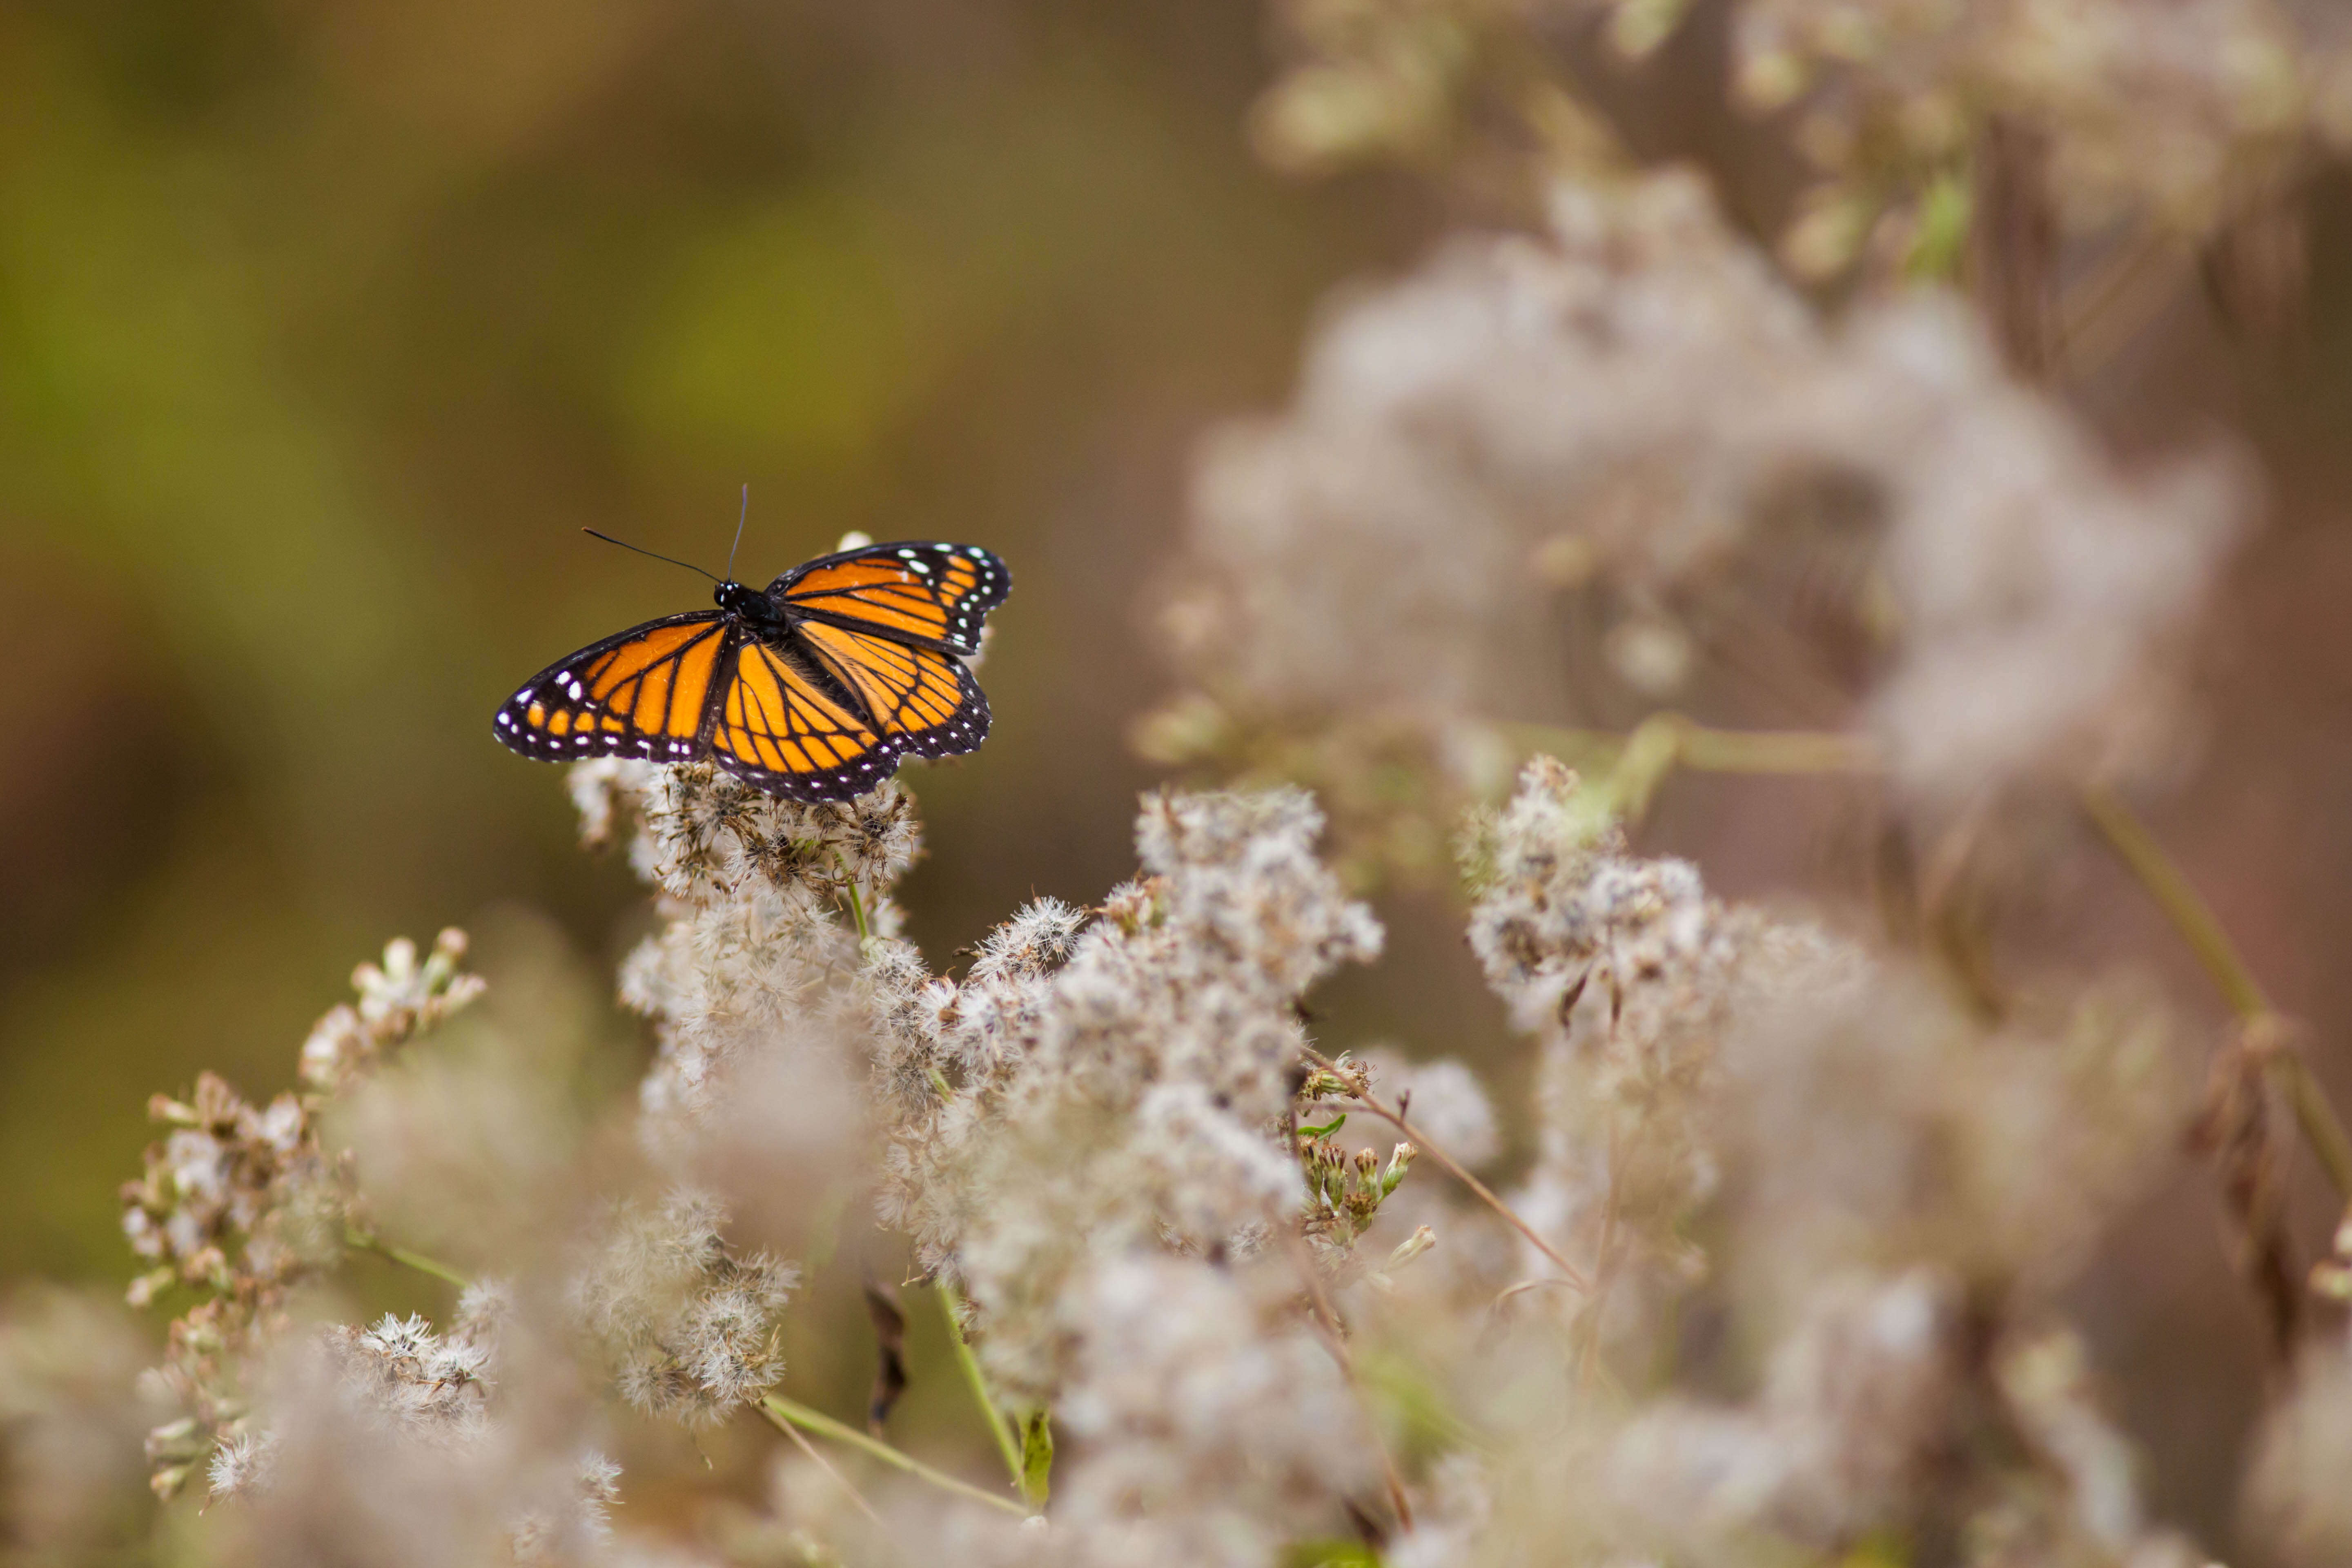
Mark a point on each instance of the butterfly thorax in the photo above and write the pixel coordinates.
(750, 605)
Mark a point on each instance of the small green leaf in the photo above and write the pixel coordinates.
(1876, 1552)
(1326, 1130)
(1037, 1457)
(1330, 1555)
(1940, 239)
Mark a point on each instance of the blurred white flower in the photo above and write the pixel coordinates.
(689, 1326)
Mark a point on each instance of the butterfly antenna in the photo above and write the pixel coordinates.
(643, 550)
(738, 532)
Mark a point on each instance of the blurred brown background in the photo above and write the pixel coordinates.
(323, 330)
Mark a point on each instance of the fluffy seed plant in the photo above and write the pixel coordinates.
(1768, 1268)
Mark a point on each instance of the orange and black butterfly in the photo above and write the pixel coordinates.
(812, 690)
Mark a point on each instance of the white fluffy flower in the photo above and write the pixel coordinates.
(690, 1326)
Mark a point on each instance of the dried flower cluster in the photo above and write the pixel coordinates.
(241, 1204)
(1630, 975)
(1093, 1120)
(1095, 1133)
(690, 1327)
(1217, 1427)
(1920, 118)
(1632, 422)
(2185, 115)
(1132, 1095)
(767, 903)
(399, 1373)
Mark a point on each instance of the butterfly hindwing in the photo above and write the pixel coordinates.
(778, 730)
(924, 701)
(937, 595)
(643, 693)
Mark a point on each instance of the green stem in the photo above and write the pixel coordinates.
(783, 1412)
(2137, 848)
(1774, 751)
(2317, 1118)
(1639, 760)
(998, 1427)
(856, 904)
(355, 1236)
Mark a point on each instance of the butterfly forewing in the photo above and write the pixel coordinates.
(778, 730)
(644, 693)
(933, 593)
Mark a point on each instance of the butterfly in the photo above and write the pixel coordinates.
(812, 690)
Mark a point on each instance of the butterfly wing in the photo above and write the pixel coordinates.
(646, 692)
(779, 730)
(919, 698)
(935, 595)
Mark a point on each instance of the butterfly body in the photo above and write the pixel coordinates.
(812, 689)
(750, 606)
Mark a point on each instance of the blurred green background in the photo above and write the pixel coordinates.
(324, 328)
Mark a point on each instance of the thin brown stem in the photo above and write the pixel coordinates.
(1605, 1267)
(2102, 317)
(1509, 1292)
(1421, 1141)
(1760, 651)
(800, 1440)
(2137, 849)
(1335, 1340)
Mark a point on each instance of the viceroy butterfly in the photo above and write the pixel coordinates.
(812, 690)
